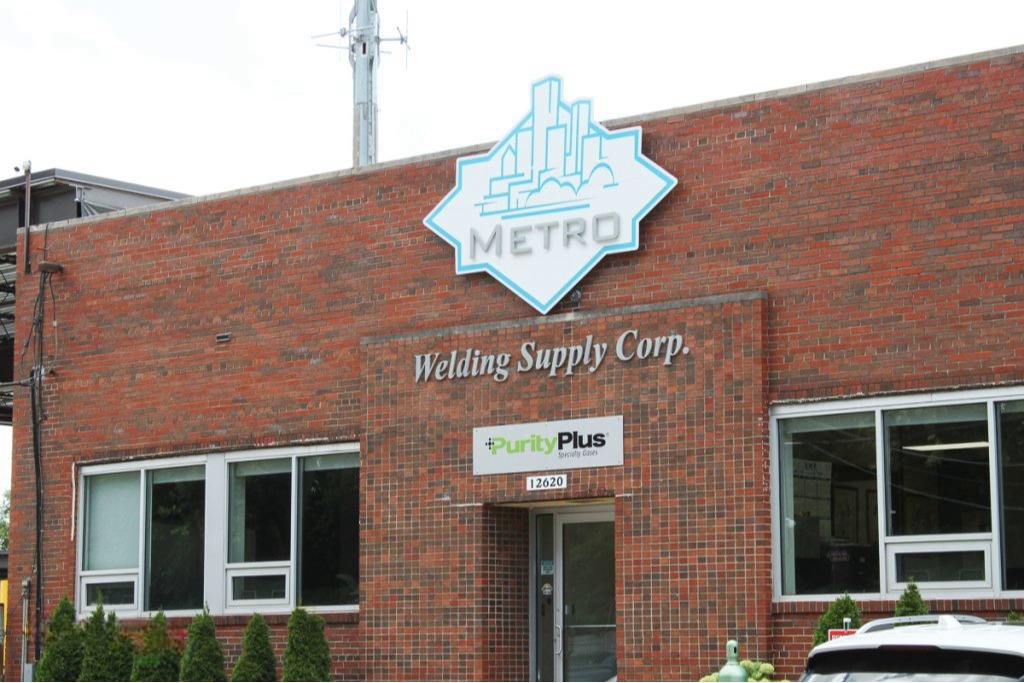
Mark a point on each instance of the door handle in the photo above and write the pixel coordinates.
(558, 640)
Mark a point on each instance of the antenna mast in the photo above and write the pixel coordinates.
(363, 54)
(364, 41)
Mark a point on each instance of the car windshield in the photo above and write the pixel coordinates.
(913, 664)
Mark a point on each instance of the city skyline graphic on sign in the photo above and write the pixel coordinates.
(550, 200)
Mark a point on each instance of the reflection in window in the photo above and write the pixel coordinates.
(830, 502)
(175, 538)
(1011, 461)
(329, 530)
(259, 524)
(938, 470)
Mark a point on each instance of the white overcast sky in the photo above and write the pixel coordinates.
(204, 96)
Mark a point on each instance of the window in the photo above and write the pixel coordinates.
(258, 529)
(175, 538)
(317, 497)
(875, 493)
(172, 520)
(830, 483)
(1011, 450)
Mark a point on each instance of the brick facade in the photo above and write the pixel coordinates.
(858, 238)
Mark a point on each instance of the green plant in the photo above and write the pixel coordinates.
(910, 603)
(107, 651)
(843, 607)
(1014, 616)
(160, 657)
(256, 663)
(306, 657)
(61, 659)
(203, 659)
(756, 671)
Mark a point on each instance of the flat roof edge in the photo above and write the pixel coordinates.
(485, 147)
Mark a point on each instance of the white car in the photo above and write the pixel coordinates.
(924, 648)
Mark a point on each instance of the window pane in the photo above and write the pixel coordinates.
(1011, 450)
(829, 496)
(259, 524)
(941, 566)
(175, 538)
(113, 593)
(329, 534)
(112, 521)
(938, 470)
(260, 587)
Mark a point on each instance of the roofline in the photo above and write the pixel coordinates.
(885, 74)
(54, 175)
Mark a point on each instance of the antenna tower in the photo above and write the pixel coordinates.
(364, 39)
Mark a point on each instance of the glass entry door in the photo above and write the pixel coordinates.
(574, 604)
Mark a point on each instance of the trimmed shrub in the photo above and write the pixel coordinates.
(910, 603)
(160, 657)
(256, 663)
(842, 607)
(203, 659)
(61, 659)
(107, 651)
(306, 657)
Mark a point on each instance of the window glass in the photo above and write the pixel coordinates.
(830, 504)
(112, 593)
(329, 530)
(259, 523)
(111, 521)
(259, 587)
(938, 470)
(175, 538)
(1011, 461)
(946, 566)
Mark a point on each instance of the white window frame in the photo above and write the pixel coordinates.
(136, 575)
(988, 542)
(89, 578)
(961, 544)
(217, 572)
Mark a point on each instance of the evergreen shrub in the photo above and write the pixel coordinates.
(203, 659)
(842, 607)
(107, 651)
(160, 657)
(257, 662)
(61, 659)
(306, 657)
(910, 603)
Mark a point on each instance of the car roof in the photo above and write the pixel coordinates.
(954, 632)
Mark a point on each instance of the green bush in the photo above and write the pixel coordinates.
(1013, 616)
(203, 659)
(107, 652)
(256, 663)
(306, 657)
(61, 659)
(842, 607)
(160, 657)
(910, 603)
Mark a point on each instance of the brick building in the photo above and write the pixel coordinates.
(811, 380)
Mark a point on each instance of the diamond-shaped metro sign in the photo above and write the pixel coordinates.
(548, 202)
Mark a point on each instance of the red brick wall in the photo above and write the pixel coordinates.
(693, 485)
(881, 221)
